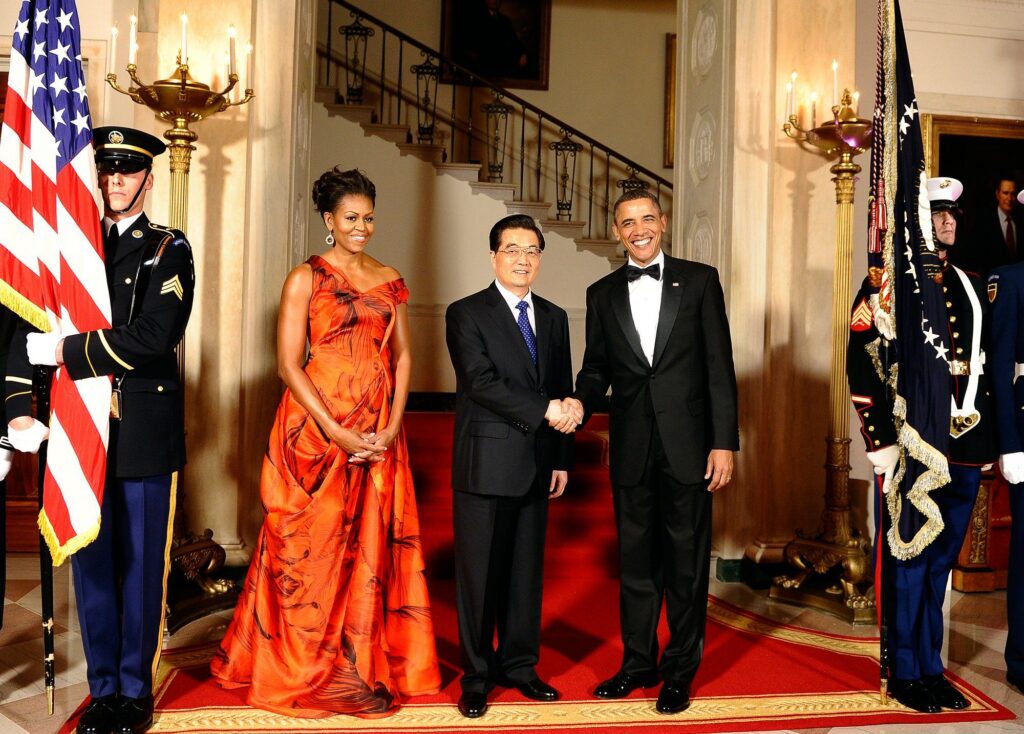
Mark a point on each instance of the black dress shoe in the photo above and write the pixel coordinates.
(98, 717)
(134, 716)
(537, 689)
(622, 684)
(472, 705)
(914, 694)
(945, 694)
(1017, 681)
(674, 697)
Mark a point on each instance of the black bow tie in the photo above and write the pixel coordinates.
(633, 272)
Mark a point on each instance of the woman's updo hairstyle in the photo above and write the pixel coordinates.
(334, 185)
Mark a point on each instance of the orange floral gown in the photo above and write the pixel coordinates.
(334, 615)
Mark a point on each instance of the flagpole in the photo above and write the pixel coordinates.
(41, 378)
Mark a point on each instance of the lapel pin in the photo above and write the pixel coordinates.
(675, 285)
(137, 233)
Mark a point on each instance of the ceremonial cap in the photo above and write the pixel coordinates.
(943, 193)
(125, 149)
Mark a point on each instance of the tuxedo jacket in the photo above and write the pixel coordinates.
(502, 442)
(688, 394)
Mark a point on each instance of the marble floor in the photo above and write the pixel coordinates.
(977, 635)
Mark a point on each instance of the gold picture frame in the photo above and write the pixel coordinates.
(933, 127)
(979, 152)
(670, 100)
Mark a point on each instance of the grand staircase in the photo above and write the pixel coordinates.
(473, 130)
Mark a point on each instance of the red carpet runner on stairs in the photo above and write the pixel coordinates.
(757, 675)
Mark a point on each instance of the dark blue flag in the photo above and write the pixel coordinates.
(910, 313)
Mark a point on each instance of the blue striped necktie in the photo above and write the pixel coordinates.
(524, 327)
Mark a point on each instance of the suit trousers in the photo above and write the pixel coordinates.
(916, 626)
(120, 585)
(499, 570)
(1015, 585)
(664, 529)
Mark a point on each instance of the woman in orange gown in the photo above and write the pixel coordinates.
(334, 615)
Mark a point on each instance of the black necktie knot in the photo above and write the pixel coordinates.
(633, 272)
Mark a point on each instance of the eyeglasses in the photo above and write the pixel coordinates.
(513, 253)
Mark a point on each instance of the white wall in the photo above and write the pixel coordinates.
(967, 55)
(607, 66)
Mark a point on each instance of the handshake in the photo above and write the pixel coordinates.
(565, 415)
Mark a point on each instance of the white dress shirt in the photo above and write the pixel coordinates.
(122, 225)
(645, 305)
(513, 301)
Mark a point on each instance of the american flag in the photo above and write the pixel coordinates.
(51, 252)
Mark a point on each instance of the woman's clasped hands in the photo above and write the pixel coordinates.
(363, 447)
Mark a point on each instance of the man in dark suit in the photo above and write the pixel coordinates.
(121, 577)
(510, 351)
(658, 335)
(1006, 292)
(998, 237)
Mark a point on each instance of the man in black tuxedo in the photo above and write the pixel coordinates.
(658, 335)
(510, 351)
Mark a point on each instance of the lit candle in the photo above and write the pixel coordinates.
(133, 45)
(835, 83)
(248, 67)
(231, 49)
(789, 100)
(112, 62)
(184, 38)
(856, 102)
(814, 109)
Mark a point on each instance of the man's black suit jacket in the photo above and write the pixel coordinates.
(986, 248)
(689, 393)
(502, 442)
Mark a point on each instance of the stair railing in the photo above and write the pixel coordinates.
(478, 119)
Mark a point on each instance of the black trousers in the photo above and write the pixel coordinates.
(499, 569)
(664, 554)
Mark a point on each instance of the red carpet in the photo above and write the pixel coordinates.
(757, 675)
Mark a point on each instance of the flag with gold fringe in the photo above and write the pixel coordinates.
(51, 252)
(909, 308)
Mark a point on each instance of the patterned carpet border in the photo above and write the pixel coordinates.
(706, 714)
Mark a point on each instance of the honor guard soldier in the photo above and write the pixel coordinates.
(121, 577)
(1006, 292)
(919, 584)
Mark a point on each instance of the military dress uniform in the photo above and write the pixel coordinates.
(916, 624)
(1006, 291)
(120, 578)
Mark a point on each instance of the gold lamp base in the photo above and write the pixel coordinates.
(816, 585)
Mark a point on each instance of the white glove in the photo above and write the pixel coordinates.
(884, 461)
(28, 439)
(42, 347)
(6, 458)
(1012, 467)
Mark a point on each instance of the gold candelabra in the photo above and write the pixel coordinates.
(837, 545)
(180, 100)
